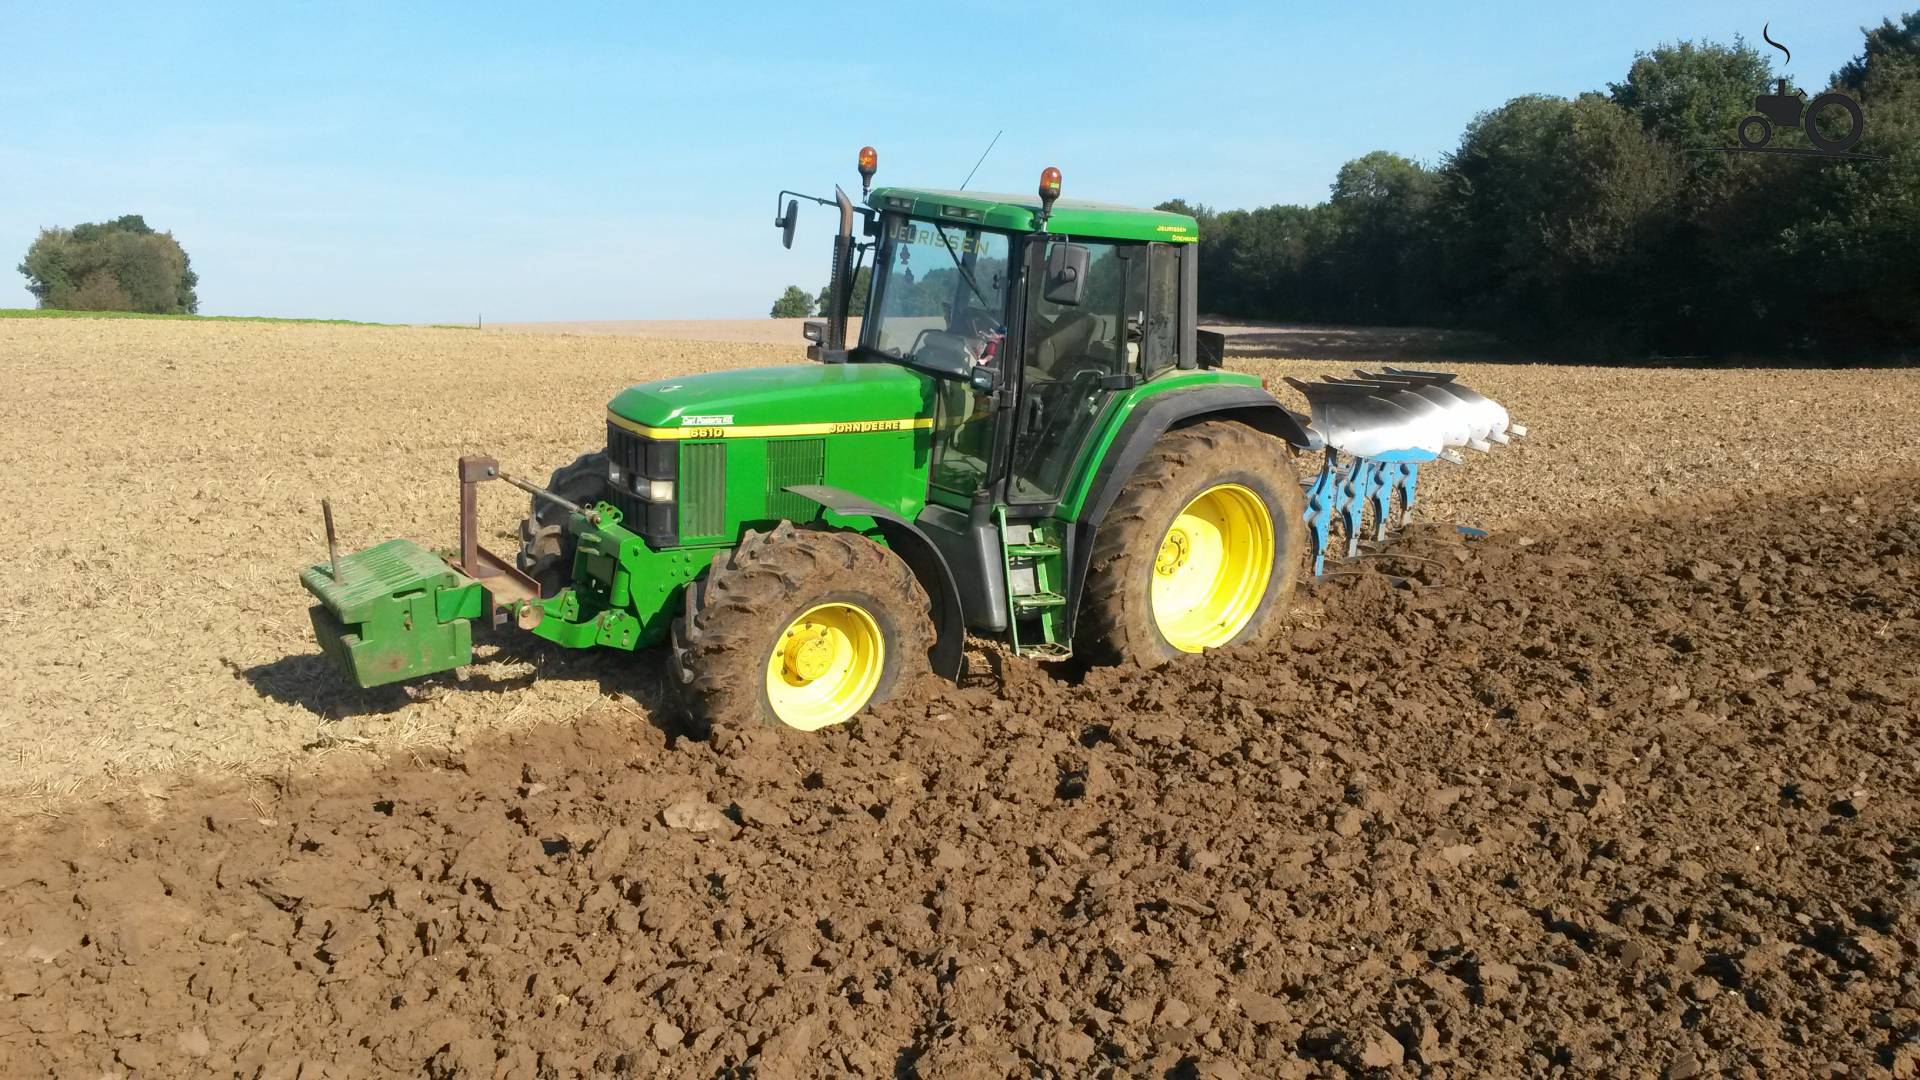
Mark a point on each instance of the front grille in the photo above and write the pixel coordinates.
(633, 512)
(703, 491)
(633, 453)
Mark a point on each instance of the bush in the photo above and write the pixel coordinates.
(793, 304)
(119, 265)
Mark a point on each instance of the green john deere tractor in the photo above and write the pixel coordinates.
(1027, 436)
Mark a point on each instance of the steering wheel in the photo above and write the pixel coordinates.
(1075, 393)
(976, 322)
(950, 351)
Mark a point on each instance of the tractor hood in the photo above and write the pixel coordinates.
(799, 399)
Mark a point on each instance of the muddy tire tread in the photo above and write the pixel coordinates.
(546, 548)
(1116, 623)
(719, 644)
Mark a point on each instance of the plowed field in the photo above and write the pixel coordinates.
(1630, 788)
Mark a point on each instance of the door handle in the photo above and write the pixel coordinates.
(1030, 415)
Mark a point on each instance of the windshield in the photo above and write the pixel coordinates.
(938, 289)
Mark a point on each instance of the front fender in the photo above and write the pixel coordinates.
(948, 656)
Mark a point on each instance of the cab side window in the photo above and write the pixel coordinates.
(1163, 306)
(1066, 339)
(1070, 352)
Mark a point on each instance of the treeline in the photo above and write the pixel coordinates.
(1610, 224)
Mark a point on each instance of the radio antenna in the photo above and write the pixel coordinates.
(983, 157)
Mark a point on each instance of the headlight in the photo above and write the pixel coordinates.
(659, 491)
(614, 474)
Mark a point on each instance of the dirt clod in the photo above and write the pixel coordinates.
(1382, 1050)
(1074, 1045)
(696, 816)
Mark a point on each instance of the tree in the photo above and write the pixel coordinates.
(857, 303)
(1692, 95)
(118, 265)
(1375, 239)
(793, 304)
(1552, 209)
(1611, 222)
(1853, 244)
(1196, 211)
(1891, 54)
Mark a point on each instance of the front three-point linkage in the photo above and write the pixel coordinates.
(1377, 430)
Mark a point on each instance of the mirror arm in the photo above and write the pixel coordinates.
(871, 215)
(800, 195)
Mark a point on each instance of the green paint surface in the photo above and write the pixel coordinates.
(397, 611)
(1017, 213)
(622, 589)
(791, 394)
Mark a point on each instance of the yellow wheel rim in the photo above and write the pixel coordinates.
(825, 666)
(1212, 569)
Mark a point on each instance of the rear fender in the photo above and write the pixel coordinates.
(1157, 415)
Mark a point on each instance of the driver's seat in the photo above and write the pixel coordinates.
(1065, 341)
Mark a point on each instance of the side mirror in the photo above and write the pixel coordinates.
(1212, 346)
(1066, 274)
(786, 222)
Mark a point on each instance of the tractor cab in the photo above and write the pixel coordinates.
(1040, 322)
(1054, 322)
(1784, 107)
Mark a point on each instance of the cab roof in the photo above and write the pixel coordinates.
(1074, 217)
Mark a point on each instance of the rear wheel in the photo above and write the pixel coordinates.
(546, 547)
(802, 628)
(1202, 548)
(1819, 138)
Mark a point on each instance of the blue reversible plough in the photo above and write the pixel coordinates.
(1377, 429)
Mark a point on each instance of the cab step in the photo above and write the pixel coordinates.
(1046, 651)
(1038, 601)
(1037, 610)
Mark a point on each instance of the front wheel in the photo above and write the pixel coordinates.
(1202, 548)
(1755, 131)
(546, 547)
(799, 627)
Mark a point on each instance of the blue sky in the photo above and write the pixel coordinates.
(427, 163)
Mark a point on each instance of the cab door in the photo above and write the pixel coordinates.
(1074, 360)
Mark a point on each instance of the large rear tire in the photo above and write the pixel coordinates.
(799, 627)
(1201, 550)
(546, 547)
